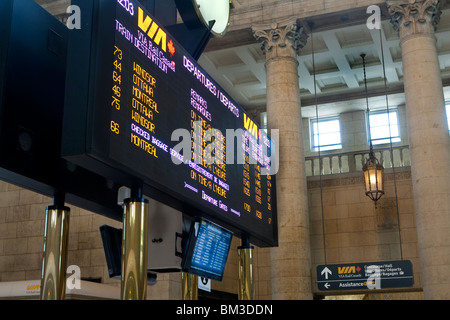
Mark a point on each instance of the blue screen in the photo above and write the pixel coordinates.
(210, 253)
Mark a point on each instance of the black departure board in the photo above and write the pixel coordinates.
(147, 110)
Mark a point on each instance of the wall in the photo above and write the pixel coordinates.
(356, 230)
(22, 214)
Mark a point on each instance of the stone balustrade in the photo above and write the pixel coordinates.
(349, 162)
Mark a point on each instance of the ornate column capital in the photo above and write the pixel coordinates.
(411, 17)
(285, 38)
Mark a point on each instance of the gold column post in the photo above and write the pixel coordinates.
(134, 249)
(245, 253)
(56, 239)
(189, 286)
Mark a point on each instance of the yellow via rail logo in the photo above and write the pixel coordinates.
(150, 27)
(32, 287)
(347, 269)
(251, 127)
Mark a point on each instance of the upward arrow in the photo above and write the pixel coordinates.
(326, 271)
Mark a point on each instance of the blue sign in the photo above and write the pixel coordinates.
(365, 275)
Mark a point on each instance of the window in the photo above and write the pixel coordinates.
(263, 118)
(384, 126)
(325, 134)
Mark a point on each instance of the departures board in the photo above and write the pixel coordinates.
(139, 108)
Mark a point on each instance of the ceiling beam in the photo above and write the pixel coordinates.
(323, 22)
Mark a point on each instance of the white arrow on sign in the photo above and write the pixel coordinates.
(326, 271)
(326, 285)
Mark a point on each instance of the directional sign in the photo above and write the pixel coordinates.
(365, 275)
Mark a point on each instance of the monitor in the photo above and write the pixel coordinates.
(112, 244)
(206, 249)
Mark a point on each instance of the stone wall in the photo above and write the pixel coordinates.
(356, 230)
(22, 214)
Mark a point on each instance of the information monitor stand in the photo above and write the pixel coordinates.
(189, 286)
(134, 248)
(245, 253)
(54, 258)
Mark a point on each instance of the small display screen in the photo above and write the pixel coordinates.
(206, 250)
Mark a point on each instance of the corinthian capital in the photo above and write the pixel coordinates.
(414, 16)
(286, 38)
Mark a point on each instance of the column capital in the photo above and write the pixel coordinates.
(285, 38)
(411, 17)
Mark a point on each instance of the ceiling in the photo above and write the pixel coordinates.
(236, 62)
(338, 69)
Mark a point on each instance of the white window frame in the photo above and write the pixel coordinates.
(322, 145)
(387, 138)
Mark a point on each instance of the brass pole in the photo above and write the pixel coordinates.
(134, 249)
(245, 254)
(189, 286)
(56, 238)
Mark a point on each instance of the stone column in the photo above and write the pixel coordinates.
(429, 139)
(290, 261)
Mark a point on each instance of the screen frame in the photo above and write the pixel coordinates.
(191, 245)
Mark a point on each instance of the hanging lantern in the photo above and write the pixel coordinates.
(372, 169)
(373, 178)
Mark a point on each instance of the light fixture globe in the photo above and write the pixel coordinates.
(373, 178)
(213, 15)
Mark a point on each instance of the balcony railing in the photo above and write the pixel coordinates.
(353, 161)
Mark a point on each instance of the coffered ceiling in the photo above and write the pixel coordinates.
(334, 81)
(337, 71)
